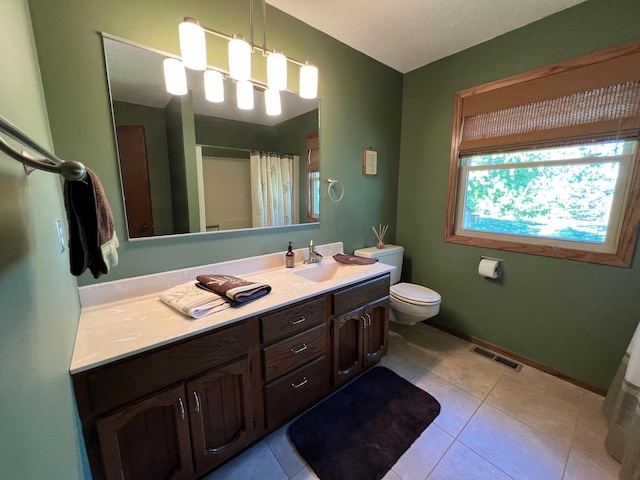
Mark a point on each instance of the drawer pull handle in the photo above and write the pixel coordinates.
(197, 399)
(369, 318)
(303, 382)
(301, 349)
(297, 322)
(364, 322)
(181, 405)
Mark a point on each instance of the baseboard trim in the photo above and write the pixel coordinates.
(519, 358)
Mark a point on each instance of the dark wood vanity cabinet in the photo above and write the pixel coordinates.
(178, 411)
(190, 427)
(174, 412)
(360, 336)
(295, 359)
(220, 414)
(149, 439)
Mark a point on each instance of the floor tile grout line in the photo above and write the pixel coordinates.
(485, 459)
(280, 463)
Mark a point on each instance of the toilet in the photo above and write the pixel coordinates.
(410, 303)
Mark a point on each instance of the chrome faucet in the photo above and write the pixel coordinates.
(314, 256)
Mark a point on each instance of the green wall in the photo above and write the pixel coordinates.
(360, 106)
(575, 317)
(39, 305)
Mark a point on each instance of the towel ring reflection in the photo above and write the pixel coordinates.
(331, 190)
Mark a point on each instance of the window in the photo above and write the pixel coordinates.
(547, 162)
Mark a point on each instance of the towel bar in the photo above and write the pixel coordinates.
(68, 169)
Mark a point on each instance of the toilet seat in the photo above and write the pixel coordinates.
(414, 294)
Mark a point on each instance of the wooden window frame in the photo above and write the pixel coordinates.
(312, 163)
(579, 70)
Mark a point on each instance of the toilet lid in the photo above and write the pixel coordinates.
(415, 294)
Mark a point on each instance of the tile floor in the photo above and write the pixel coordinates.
(495, 424)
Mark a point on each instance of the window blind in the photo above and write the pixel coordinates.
(594, 98)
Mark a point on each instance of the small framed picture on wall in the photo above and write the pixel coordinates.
(369, 161)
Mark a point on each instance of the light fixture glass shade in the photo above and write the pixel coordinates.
(272, 102)
(277, 71)
(244, 95)
(308, 81)
(239, 59)
(213, 86)
(193, 48)
(175, 77)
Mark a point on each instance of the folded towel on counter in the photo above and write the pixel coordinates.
(235, 289)
(193, 301)
(353, 260)
(92, 236)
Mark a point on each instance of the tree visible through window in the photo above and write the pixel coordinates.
(566, 194)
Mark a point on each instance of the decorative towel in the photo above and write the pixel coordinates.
(353, 260)
(235, 289)
(93, 241)
(193, 301)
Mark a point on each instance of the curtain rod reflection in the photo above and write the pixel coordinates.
(247, 150)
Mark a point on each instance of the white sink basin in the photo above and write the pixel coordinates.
(321, 272)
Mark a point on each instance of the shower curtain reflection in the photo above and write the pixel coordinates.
(274, 189)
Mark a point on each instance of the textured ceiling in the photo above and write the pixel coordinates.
(408, 34)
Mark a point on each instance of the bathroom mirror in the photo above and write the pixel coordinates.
(185, 162)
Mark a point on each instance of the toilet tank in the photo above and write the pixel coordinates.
(390, 254)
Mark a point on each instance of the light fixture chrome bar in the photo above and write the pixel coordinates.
(253, 45)
(264, 25)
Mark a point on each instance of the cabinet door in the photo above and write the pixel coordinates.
(376, 332)
(149, 439)
(347, 337)
(219, 409)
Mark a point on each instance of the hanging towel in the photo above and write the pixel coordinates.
(93, 241)
(193, 301)
(235, 289)
(353, 260)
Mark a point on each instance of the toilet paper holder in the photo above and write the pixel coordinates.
(490, 267)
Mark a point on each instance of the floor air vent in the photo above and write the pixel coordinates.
(497, 358)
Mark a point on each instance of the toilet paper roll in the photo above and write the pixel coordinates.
(490, 267)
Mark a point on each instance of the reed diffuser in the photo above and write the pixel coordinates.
(380, 233)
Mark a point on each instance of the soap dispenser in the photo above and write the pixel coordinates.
(289, 257)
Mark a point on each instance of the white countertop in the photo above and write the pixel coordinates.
(121, 318)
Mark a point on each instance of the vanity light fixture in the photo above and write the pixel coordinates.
(272, 102)
(244, 94)
(308, 81)
(277, 71)
(193, 47)
(194, 56)
(175, 77)
(213, 86)
(239, 58)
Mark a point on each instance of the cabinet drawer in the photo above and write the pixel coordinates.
(115, 384)
(354, 297)
(294, 392)
(292, 320)
(292, 352)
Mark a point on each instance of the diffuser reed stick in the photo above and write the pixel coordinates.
(380, 233)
